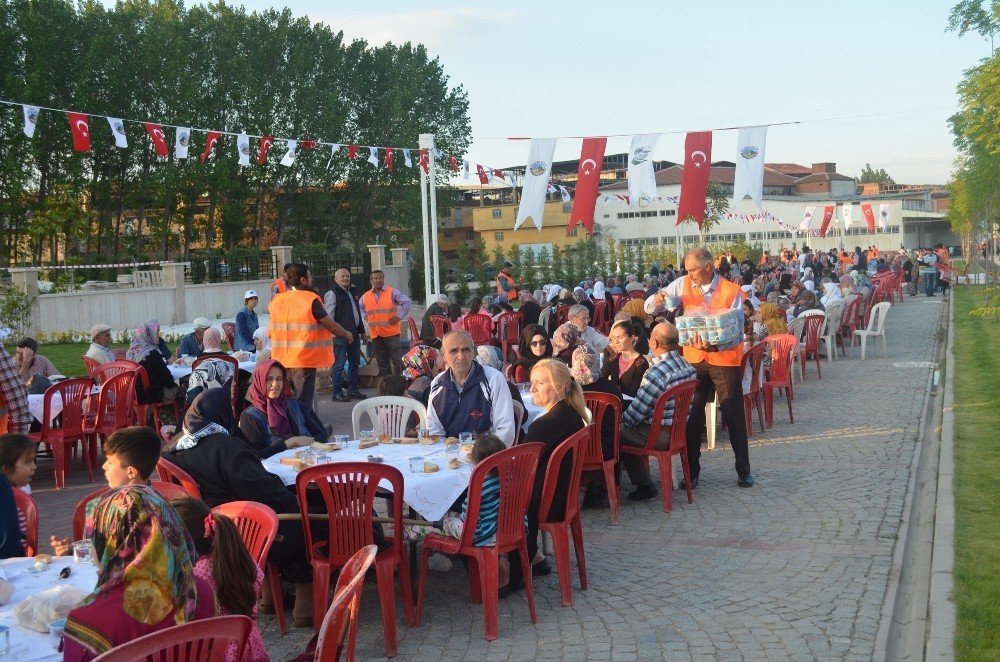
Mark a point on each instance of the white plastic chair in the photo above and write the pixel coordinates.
(388, 414)
(834, 314)
(875, 330)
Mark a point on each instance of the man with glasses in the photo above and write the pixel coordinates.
(579, 317)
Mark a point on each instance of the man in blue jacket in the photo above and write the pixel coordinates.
(246, 323)
(341, 303)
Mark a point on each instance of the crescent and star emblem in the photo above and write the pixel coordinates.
(587, 169)
(695, 161)
(158, 133)
(265, 143)
(83, 128)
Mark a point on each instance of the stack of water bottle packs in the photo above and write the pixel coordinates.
(714, 326)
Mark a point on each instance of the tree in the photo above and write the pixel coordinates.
(870, 176)
(716, 205)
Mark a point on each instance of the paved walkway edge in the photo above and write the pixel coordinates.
(941, 610)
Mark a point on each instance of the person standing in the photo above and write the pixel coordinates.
(505, 282)
(280, 284)
(379, 309)
(246, 323)
(341, 303)
(717, 366)
(300, 330)
(100, 338)
(929, 271)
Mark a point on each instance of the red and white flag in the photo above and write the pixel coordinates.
(80, 126)
(481, 171)
(828, 212)
(155, 132)
(454, 164)
(265, 144)
(213, 139)
(866, 211)
(307, 144)
(588, 177)
(388, 158)
(694, 181)
(423, 159)
(352, 151)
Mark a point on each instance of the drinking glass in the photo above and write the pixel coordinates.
(81, 550)
(342, 440)
(422, 433)
(451, 452)
(465, 438)
(4, 639)
(416, 465)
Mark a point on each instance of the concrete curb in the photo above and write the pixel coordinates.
(941, 610)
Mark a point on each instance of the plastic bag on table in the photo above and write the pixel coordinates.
(40, 609)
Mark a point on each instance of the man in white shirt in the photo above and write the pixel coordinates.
(100, 338)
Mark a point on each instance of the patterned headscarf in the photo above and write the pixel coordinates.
(847, 285)
(276, 409)
(144, 341)
(585, 368)
(419, 362)
(773, 319)
(141, 543)
(210, 413)
(565, 336)
(527, 296)
(212, 340)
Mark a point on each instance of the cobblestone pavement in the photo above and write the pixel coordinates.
(794, 569)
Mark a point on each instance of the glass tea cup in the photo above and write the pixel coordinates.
(81, 550)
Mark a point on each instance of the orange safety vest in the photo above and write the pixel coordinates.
(722, 299)
(298, 340)
(379, 312)
(279, 285)
(511, 293)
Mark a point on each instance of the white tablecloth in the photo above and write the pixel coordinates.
(429, 494)
(179, 371)
(27, 645)
(36, 404)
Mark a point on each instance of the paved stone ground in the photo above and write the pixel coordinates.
(795, 568)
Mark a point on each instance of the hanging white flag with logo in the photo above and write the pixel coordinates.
(373, 156)
(536, 181)
(807, 218)
(848, 211)
(289, 158)
(883, 216)
(641, 179)
(30, 119)
(118, 131)
(466, 169)
(181, 141)
(750, 165)
(406, 158)
(333, 152)
(566, 197)
(243, 148)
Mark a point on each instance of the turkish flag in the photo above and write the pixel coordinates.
(588, 177)
(307, 144)
(155, 132)
(388, 158)
(352, 151)
(213, 138)
(827, 217)
(483, 178)
(80, 126)
(265, 144)
(422, 159)
(869, 215)
(454, 164)
(694, 181)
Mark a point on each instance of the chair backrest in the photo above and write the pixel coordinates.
(754, 359)
(782, 347)
(206, 640)
(73, 393)
(116, 367)
(573, 446)
(30, 511)
(619, 300)
(681, 395)
(119, 354)
(225, 359)
(80, 511)
(813, 329)
(637, 294)
(480, 327)
(877, 319)
(850, 316)
(115, 402)
(171, 473)
(601, 405)
(348, 490)
(90, 365)
(168, 490)
(834, 314)
(516, 468)
(229, 331)
(342, 617)
(441, 324)
(509, 327)
(562, 314)
(257, 524)
(601, 320)
(414, 331)
(388, 414)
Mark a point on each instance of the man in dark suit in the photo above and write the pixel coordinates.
(341, 303)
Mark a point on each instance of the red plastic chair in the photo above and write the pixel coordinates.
(414, 331)
(206, 640)
(508, 328)
(561, 527)
(119, 354)
(562, 315)
(782, 348)
(341, 619)
(80, 512)
(90, 365)
(142, 408)
(229, 331)
(681, 395)
(637, 294)
(754, 359)
(849, 322)
(619, 300)
(480, 327)
(811, 333)
(171, 473)
(258, 527)
(30, 511)
(169, 490)
(67, 429)
(234, 386)
(114, 410)
(601, 320)
(599, 405)
(349, 489)
(516, 468)
(441, 324)
(116, 367)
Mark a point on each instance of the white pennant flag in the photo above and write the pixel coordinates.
(289, 158)
(30, 119)
(565, 194)
(118, 131)
(550, 189)
(243, 148)
(181, 141)
(333, 151)
(848, 211)
(641, 179)
(807, 218)
(373, 156)
(466, 169)
(536, 181)
(750, 165)
(883, 216)
(406, 158)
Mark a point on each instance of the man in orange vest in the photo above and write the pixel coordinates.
(505, 282)
(379, 310)
(300, 331)
(718, 367)
(280, 283)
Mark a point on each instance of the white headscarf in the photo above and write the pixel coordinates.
(261, 334)
(809, 285)
(751, 296)
(832, 294)
(598, 290)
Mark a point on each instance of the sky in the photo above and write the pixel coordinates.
(554, 68)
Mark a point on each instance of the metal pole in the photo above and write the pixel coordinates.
(424, 142)
(434, 217)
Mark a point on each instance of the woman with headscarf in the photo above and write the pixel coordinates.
(847, 286)
(210, 447)
(276, 421)
(144, 350)
(586, 370)
(580, 297)
(262, 341)
(532, 348)
(420, 365)
(773, 319)
(145, 581)
(807, 301)
(564, 341)
(530, 307)
(832, 293)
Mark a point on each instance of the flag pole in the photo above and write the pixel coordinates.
(433, 211)
(425, 143)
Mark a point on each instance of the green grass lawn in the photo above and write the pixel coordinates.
(66, 356)
(977, 479)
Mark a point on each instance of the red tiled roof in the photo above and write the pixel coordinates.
(672, 175)
(824, 177)
(789, 168)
